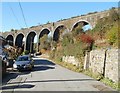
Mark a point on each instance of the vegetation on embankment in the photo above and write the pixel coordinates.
(13, 52)
(107, 30)
(98, 76)
(75, 43)
(103, 35)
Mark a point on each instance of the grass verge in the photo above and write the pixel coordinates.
(98, 76)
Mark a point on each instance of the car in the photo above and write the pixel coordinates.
(24, 62)
(37, 53)
(4, 57)
(3, 66)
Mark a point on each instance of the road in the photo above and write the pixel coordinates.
(47, 76)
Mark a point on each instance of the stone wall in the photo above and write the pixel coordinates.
(99, 61)
(71, 60)
(104, 62)
(96, 61)
(111, 66)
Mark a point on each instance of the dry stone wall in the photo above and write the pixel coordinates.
(111, 66)
(104, 62)
(101, 61)
(96, 61)
(70, 59)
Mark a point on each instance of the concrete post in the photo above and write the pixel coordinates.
(86, 63)
(25, 44)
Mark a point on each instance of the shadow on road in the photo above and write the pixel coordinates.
(43, 62)
(12, 75)
(67, 80)
(41, 68)
(40, 65)
(17, 86)
(8, 76)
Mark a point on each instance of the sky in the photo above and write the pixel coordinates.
(37, 13)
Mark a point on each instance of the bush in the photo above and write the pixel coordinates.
(77, 30)
(112, 35)
(67, 39)
(58, 55)
(105, 24)
(44, 43)
(52, 54)
(26, 52)
(86, 38)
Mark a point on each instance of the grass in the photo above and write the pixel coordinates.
(110, 83)
(70, 66)
(106, 81)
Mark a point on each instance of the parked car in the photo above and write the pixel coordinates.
(24, 62)
(4, 57)
(2, 66)
(37, 53)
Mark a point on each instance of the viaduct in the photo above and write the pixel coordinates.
(66, 25)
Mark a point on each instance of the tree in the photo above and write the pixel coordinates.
(44, 43)
(12, 30)
(67, 39)
(112, 35)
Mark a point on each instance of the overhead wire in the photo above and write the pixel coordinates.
(23, 14)
(14, 15)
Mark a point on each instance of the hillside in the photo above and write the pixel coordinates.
(106, 32)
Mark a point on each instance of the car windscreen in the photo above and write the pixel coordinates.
(22, 59)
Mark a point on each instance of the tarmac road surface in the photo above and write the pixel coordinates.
(47, 76)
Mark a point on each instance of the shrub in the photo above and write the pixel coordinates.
(112, 35)
(106, 23)
(25, 52)
(85, 38)
(52, 54)
(56, 55)
(67, 39)
(44, 43)
(77, 30)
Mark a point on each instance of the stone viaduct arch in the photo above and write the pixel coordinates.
(19, 40)
(56, 28)
(59, 31)
(30, 41)
(44, 31)
(10, 39)
(80, 22)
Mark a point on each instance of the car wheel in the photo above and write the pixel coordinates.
(33, 66)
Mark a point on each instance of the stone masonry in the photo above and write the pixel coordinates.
(104, 62)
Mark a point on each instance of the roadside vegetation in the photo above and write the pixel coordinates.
(107, 31)
(77, 42)
(13, 52)
(103, 35)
